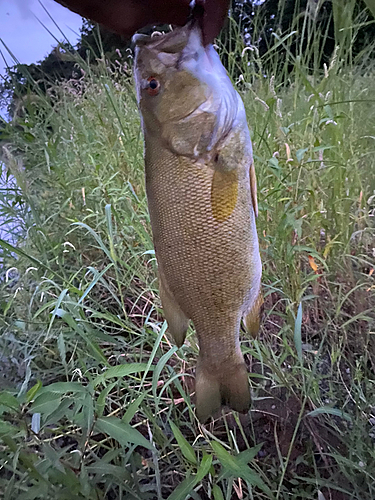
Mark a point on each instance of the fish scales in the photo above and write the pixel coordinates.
(202, 212)
(200, 257)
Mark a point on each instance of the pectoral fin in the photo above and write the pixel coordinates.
(253, 317)
(224, 193)
(178, 322)
(253, 189)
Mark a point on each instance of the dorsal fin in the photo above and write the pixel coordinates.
(253, 189)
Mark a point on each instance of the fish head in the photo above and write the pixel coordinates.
(185, 96)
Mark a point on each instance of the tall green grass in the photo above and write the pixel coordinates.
(96, 402)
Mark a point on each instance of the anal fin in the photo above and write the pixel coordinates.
(253, 317)
(253, 189)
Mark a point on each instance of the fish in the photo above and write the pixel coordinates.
(202, 200)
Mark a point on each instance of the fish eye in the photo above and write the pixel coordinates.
(153, 86)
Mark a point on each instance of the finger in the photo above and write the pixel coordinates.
(127, 16)
(215, 13)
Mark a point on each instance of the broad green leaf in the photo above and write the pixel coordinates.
(7, 399)
(87, 413)
(35, 492)
(329, 411)
(85, 483)
(46, 403)
(103, 468)
(120, 371)
(64, 388)
(53, 456)
(159, 367)
(248, 455)
(184, 488)
(122, 432)
(186, 448)
(32, 392)
(204, 467)
(244, 458)
(132, 408)
(163, 329)
(300, 154)
(223, 455)
(239, 469)
(100, 402)
(188, 484)
(218, 494)
(61, 411)
(7, 429)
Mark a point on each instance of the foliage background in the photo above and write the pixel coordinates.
(95, 402)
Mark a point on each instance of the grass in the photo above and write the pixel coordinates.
(95, 401)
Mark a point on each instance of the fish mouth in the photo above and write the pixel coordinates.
(181, 44)
(182, 47)
(171, 43)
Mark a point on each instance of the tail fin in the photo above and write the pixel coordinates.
(229, 386)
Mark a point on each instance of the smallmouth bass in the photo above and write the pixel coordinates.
(202, 199)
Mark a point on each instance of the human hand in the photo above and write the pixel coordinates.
(127, 16)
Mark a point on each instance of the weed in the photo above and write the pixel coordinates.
(96, 403)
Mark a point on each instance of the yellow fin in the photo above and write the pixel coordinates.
(207, 390)
(178, 322)
(253, 189)
(253, 317)
(224, 192)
